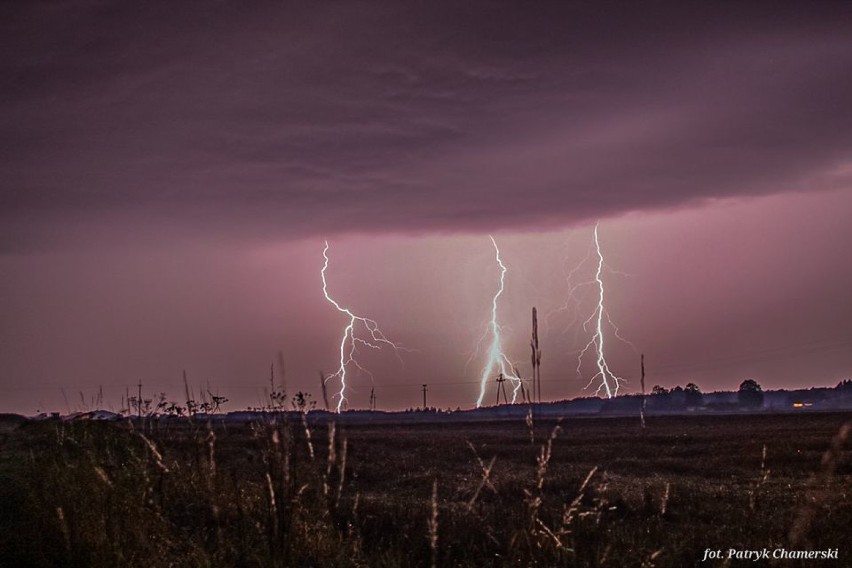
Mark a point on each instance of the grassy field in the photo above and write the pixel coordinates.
(585, 492)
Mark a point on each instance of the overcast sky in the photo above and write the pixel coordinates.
(171, 171)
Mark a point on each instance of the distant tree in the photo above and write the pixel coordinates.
(844, 388)
(693, 395)
(677, 397)
(750, 394)
(660, 398)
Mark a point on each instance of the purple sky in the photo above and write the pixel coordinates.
(170, 173)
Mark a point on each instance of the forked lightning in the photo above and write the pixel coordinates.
(497, 360)
(609, 381)
(350, 340)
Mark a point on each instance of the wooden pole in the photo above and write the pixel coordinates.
(535, 358)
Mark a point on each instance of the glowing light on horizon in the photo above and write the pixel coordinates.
(497, 360)
(350, 340)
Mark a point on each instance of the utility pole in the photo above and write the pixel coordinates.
(500, 386)
(373, 398)
(424, 397)
(139, 399)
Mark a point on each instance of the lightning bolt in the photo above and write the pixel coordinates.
(572, 300)
(609, 381)
(496, 358)
(350, 340)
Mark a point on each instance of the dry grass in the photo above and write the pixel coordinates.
(592, 492)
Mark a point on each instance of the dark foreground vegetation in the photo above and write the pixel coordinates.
(585, 492)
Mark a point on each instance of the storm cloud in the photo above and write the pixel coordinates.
(237, 120)
(171, 170)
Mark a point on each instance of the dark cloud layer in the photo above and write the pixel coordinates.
(228, 120)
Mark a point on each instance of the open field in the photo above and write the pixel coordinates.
(592, 492)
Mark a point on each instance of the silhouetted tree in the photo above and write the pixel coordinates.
(750, 394)
(660, 398)
(677, 397)
(693, 395)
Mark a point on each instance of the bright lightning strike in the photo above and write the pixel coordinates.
(350, 340)
(497, 360)
(609, 381)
